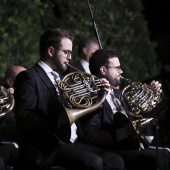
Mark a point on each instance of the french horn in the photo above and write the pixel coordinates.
(142, 100)
(79, 89)
(6, 101)
(80, 93)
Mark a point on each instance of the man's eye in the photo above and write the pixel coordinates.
(67, 52)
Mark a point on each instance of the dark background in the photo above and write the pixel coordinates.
(157, 13)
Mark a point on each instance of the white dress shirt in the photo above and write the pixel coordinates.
(85, 65)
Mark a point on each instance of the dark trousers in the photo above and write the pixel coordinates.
(72, 157)
(9, 156)
(146, 159)
(81, 156)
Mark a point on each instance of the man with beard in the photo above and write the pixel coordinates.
(110, 128)
(41, 146)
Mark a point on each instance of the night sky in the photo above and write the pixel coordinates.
(157, 13)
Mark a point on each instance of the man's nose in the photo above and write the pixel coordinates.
(69, 57)
(121, 71)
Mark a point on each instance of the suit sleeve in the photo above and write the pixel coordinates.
(31, 98)
(99, 130)
(25, 103)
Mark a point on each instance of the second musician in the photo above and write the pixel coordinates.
(110, 128)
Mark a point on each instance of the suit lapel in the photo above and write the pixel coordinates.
(81, 67)
(108, 111)
(78, 66)
(45, 79)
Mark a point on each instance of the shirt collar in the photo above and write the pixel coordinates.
(84, 62)
(85, 65)
(45, 67)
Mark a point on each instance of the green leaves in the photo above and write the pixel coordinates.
(120, 25)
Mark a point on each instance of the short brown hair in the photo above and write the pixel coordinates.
(52, 37)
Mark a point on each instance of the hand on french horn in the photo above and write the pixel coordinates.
(9, 90)
(106, 84)
(156, 85)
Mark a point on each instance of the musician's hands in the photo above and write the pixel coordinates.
(9, 90)
(156, 85)
(106, 84)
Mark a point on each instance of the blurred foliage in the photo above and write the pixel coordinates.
(22, 23)
(120, 25)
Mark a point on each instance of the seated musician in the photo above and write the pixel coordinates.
(8, 130)
(104, 128)
(44, 141)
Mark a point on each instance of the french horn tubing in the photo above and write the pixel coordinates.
(6, 101)
(141, 98)
(79, 89)
(80, 93)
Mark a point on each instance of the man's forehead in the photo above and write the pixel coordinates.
(66, 42)
(95, 45)
(114, 61)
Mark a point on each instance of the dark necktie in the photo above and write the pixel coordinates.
(56, 79)
(117, 104)
(61, 98)
(56, 76)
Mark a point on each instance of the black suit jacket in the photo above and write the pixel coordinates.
(78, 65)
(101, 128)
(33, 90)
(37, 123)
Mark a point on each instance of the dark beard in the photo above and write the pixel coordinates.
(116, 82)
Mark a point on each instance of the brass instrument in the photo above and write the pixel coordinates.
(80, 93)
(6, 101)
(142, 100)
(140, 124)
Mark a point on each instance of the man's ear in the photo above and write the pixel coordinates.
(9, 82)
(50, 51)
(84, 51)
(103, 70)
